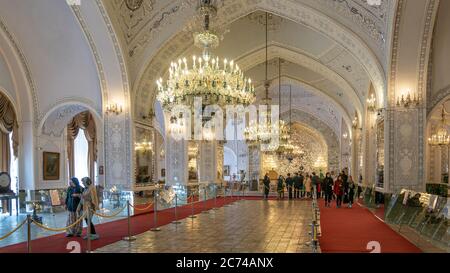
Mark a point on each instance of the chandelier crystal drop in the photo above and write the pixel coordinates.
(441, 137)
(216, 81)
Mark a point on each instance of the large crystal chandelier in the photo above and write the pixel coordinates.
(216, 81)
(264, 131)
(441, 137)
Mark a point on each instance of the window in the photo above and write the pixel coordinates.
(81, 155)
(14, 166)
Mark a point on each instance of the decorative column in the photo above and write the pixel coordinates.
(405, 122)
(254, 165)
(207, 162)
(176, 157)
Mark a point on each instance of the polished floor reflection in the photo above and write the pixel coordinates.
(252, 226)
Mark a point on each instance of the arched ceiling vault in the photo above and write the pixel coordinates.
(172, 43)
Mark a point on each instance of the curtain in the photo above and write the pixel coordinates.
(84, 121)
(8, 124)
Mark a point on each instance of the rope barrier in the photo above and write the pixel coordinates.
(109, 216)
(14, 230)
(59, 229)
(146, 208)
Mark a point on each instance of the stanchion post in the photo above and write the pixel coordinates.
(192, 208)
(28, 233)
(88, 230)
(215, 200)
(129, 238)
(204, 202)
(155, 213)
(176, 212)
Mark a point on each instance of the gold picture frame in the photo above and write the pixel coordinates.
(51, 164)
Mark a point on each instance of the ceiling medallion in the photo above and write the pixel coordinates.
(133, 5)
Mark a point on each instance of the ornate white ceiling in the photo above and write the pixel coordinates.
(345, 35)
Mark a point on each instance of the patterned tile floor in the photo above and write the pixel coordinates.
(245, 227)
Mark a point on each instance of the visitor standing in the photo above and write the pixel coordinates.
(280, 187)
(351, 191)
(289, 184)
(328, 187)
(266, 183)
(296, 186)
(89, 202)
(73, 198)
(338, 191)
(308, 186)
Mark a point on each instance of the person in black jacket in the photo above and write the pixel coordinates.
(302, 185)
(266, 183)
(328, 188)
(289, 184)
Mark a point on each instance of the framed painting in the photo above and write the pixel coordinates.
(51, 166)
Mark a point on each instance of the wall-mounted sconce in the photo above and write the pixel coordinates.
(371, 103)
(114, 109)
(408, 101)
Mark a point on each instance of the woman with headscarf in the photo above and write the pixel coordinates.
(73, 198)
(338, 191)
(89, 201)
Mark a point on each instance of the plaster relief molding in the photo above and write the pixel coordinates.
(26, 68)
(297, 12)
(117, 129)
(437, 98)
(257, 57)
(332, 140)
(57, 121)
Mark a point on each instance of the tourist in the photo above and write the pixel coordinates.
(89, 201)
(73, 198)
(296, 186)
(328, 187)
(289, 184)
(266, 183)
(338, 191)
(308, 186)
(351, 191)
(280, 187)
(302, 185)
(315, 184)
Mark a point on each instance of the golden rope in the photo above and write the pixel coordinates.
(14, 230)
(187, 198)
(109, 216)
(146, 208)
(59, 229)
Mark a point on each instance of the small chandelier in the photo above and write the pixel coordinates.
(441, 137)
(371, 106)
(143, 146)
(215, 81)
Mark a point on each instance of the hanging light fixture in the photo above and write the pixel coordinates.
(441, 137)
(215, 81)
(264, 132)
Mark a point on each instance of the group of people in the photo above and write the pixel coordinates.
(339, 187)
(79, 199)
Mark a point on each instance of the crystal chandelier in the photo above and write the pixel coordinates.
(143, 146)
(216, 81)
(264, 132)
(441, 137)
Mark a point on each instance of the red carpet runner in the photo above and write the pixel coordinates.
(113, 231)
(347, 230)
